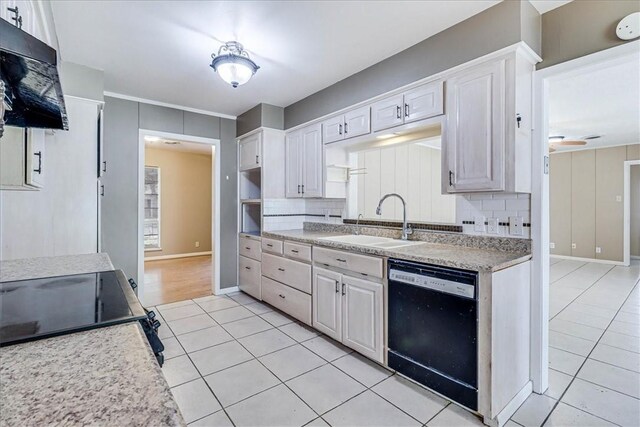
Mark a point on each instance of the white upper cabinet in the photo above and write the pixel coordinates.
(475, 130)
(416, 104)
(250, 150)
(423, 102)
(353, 123)
(304, 163)
(312, 164)
(387, 113)
(486, 138)
(293, 165)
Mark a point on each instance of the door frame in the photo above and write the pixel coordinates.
(540, 197)
(627, 211)
(215, 200)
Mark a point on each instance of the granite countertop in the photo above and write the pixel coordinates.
(106, 377)
(456, 256)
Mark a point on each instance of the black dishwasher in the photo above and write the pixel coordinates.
(433, 328)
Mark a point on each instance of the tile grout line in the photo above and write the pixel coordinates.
(585, 361)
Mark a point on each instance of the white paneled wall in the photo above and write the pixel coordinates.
(411, 170)
(495, 205)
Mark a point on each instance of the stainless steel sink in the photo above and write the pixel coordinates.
(373, 241)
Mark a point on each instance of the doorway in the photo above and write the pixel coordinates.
(564, 288)
(178, 217)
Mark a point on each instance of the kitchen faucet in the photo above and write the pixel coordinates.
(406, 230)
(358, 225)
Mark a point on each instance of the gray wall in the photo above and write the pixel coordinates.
(122, 121)
(82, 82)
(261, 115)
(582, 27)
(500, 26)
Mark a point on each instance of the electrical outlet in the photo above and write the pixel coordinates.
(197, 244)
(598, 250)
(492, 226)
(515, 225)
(618, 198)
(479, 224)
(552, 245)
(573, 246)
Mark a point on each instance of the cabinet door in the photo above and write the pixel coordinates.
(387, 113)
(474, 134)
(293, 165)
(250, 152)
(249, 276)
(423, 102)
(35, 158)
(357, 122)
(362, 317)
(332, 129)
(312, 170)
(327, 302)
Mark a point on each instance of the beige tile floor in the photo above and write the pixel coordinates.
(235, 361)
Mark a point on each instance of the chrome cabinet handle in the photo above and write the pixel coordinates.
(398, 112)
(341, 260)
(102, 190)
(343, 290)
(298, 188)
(406, 110)
(302, 188)
(337, 286)
(345, 129)
(340, 129)
(450, 179)
(104, 166)
(280, 269)
(39, 170)
(294, 251)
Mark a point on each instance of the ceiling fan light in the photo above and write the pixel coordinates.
(234, 67)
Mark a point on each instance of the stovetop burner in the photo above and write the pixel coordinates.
(39, 308)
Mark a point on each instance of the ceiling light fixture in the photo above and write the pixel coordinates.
(233, 64)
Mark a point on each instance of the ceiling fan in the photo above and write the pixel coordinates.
(561, 141)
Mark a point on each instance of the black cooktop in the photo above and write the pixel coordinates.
(41, 308)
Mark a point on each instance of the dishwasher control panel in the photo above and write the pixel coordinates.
(434, 283)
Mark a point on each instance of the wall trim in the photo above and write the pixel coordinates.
(599, 261)
(190, 254)
(584, 148)
(167, 104)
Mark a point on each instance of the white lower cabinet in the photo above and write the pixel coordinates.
(249, 276)
(349, 310)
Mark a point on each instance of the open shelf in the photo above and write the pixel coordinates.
(250, 184)
(251, 201)
(251, 218)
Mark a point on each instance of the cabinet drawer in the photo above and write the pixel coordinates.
(250, 248)
(298, 251)
(371, 266)
(287, 271)
(249, 276)
(271, 245)
(293, 302)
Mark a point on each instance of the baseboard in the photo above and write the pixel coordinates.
(600, 261)
(511, 407)
(192, 254)
(635, 256)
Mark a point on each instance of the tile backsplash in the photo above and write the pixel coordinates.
(286, 214)
(494, 205)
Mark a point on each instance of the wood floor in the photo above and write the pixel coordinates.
(177, 279)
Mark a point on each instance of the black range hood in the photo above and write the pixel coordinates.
(33, 95)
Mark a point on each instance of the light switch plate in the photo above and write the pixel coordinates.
(598, 250)
(573, 246)
(479, 224)
(618, 198)
(515, 225)
(552, 245)
(492, 226)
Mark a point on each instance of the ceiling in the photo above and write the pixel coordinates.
(161, 50)
(545, 6)
(602, 102)
(181, 146)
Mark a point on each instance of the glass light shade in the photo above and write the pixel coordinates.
(233, 69)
